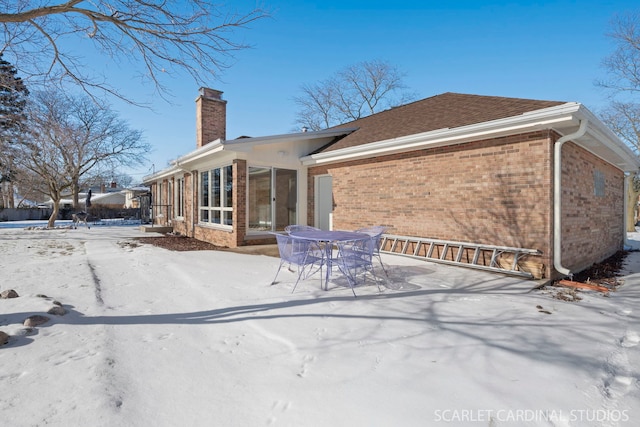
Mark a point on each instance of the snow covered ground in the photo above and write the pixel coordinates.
(160, 338)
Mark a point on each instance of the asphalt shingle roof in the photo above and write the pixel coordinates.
(448, 110)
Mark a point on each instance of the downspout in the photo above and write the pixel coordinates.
(628, 180)
(193, 204)
(557, 197)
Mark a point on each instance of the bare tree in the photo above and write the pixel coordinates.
(624, 119)
(32, 188)
(623, 65)
(623, 85)
(71, 139)
(352, 93)
(158, 38)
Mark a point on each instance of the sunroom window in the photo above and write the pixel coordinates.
(179, 202)
(216, 196)
(271, 199)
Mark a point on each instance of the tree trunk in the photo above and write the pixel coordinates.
(54, 214)
(55, 199)
(75, 189)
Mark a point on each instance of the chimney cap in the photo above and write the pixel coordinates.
(210, 93)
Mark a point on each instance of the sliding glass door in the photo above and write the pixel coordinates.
(272, 199)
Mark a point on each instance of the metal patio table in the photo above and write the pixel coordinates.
(328, 238)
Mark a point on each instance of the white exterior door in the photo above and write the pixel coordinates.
(324, 202)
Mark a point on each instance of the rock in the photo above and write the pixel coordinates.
(4, 338)
(57, 310)
(9, 293)
(35, 320)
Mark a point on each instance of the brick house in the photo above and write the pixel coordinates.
(503, 171)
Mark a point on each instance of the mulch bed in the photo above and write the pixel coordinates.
(177, 242)
(603, 274)
(174, 242)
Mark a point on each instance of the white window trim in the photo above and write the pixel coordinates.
(212, 209)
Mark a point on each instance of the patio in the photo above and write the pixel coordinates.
(162, 337)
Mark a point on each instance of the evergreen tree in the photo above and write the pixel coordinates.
(13, 100)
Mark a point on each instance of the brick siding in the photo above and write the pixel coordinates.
(592, 225)
(497, 191)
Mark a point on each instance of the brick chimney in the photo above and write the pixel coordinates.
(211, 116)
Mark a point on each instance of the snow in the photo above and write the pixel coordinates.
(160, 338)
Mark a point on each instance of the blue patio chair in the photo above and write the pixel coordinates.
(306, 255)
(376, 233)
(294, 228)
(355, 258)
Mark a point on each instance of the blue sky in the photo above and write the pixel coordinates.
(549, 50)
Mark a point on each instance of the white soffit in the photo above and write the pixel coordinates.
(604, 143)
(246, 144)
(241, 145)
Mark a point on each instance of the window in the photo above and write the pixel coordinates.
(216, 196)
(179, 202)
(159, 195)
(272, 198)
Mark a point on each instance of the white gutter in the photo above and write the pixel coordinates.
(557, 197)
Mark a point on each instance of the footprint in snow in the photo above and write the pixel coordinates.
(630, 339)
(542, 310)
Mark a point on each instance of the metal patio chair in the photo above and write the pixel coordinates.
(376, 233)
(306, 255)
(355, 258)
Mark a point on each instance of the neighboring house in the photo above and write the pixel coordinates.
(133, 195)
(513, 172)
(112, 199)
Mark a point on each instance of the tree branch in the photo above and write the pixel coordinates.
(159, 39)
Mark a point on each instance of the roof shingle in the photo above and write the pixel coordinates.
(448, 110)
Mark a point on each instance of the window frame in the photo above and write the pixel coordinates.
(276, 200)
(215, 197)
(179, 198)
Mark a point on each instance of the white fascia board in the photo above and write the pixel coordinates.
(240, 145)
(534, 120)
(164, 173)
(627, 160)
(246, 144)
(180, 163)
(206, 150)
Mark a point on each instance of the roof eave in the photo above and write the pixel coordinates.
(599, 139)
(178, 164)
(246, 144)
(608, 147)
(538, 119)
(241, 145)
